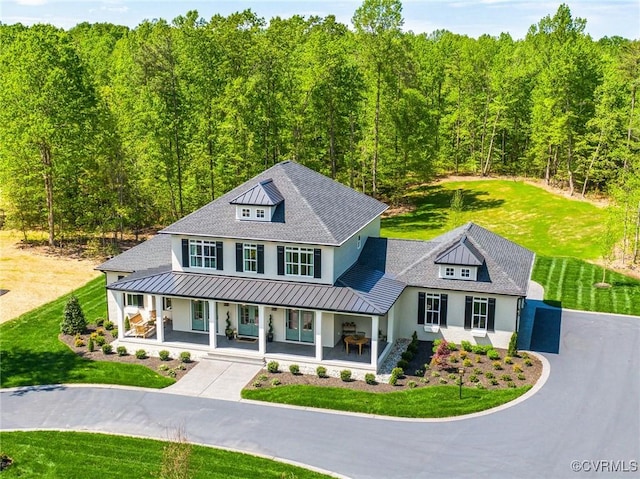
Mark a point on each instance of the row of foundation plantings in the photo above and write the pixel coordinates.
(490, 377)
(65, 454)
(32, 353)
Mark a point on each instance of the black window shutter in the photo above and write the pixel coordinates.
(281, 260)
(317, 263)
(239, 259)
(219, 260)
(468, 309)
(444, 299)
(421, 306)
(185, 252)
(261, 258)
(491, 322)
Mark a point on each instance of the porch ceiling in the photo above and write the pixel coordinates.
(339, 298)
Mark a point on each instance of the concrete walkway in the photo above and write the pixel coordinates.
(215, 379)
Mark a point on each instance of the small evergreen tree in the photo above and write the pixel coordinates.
(74, 321)
(513, 345)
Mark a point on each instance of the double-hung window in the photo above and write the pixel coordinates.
(298, 261)
(202, 254)
(449, 272)
(250, 257)
(465, 273)
(432, 309)
(134, 300)
(480, 313)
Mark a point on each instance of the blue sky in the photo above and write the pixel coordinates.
(469, 17)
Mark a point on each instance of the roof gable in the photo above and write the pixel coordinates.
(264, 193)
(461, 253)
(315, 209)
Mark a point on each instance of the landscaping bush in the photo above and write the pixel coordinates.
(511, 384)
(127, 324)
(463, 354)
(185, 357)
(453, 376)
(108, 325)
(513, 345)
(477, 371)
(467, 363)
(164, 355)
(505, 377)
(275, 382)
(493, 354)
(256, 384)
(107, 349)
(73, 321)
(370, 378)
(345, 375)
(528, 362)
(321, 371)
(90, 345)
(263, 377)
(497, 365)
(407, 356)
(411, 384)
(481, 349)
(100, 340)
(99, 321)
(273, 366)
(508, 360)
(399, 372)
(141, 354)
(489, 375)
(420, 372)
(403, 364)
(494, 382)
(480, 386)
(436, 343)
(517, 368)
(453, 358)
(443, 381)
(121, 350)
(114, 333)
(414, 337)
(79, 342)
(473, 378)
(452, 346)
(412, 348)
(393, 380)
(466, 345)
(294, 369)
(435, 374)
(441, 355)
(521, 377)
(524, 355)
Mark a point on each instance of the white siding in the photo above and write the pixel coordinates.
(407, 318)
(112, 306)
(344, 256)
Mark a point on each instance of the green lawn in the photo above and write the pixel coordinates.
(569, 283)
(53, 454)
(434, 401)
(544, 222)
(32, 354)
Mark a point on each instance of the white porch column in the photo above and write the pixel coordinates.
(213, 321)
(118, 300)
(375, 322)
(262, 337)
(391, 324)
(159, 322)
(318, 327)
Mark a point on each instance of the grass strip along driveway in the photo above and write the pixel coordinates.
(428, 402)
(32, 354)
(74, 454)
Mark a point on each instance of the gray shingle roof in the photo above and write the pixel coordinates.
(315, 210)
(265, 193)
(258, 291)
(151, 254)
(506, 268)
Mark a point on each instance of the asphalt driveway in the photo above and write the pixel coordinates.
(589, 410)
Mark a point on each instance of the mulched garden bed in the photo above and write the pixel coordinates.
(152, 362)
(479, 372)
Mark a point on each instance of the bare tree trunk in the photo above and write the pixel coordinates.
(352, 172)
(487, 165)
(633, 103)
(569, 170)
(45, 157)
(374, 178)
(593, 159)
(547, 171)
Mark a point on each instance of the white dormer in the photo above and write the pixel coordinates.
(258, 203)
(460, 261)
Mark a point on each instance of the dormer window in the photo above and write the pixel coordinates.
(259, 213)
(465, 273)
(259, 202)
(246, 213)
(449, 272)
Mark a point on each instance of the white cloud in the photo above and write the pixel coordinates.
(121, 9)
(31, 3)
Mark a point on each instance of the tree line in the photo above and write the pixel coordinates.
(106, 129)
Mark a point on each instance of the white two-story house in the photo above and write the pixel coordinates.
(291, 263)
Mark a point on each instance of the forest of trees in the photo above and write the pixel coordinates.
(106, 129)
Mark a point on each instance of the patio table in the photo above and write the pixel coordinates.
(356, 340)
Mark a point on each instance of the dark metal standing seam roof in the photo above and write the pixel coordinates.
(462, 253)
(264, 193)
(339, 298)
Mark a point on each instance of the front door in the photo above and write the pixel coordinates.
(248, 324)
(199, 315)
(300, 326)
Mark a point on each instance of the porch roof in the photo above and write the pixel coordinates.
(339, 298)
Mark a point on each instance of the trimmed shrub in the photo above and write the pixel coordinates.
(256, 384)
(466, 345)
(114, 333)
(441, 355)
(420, 372)
(403, 364)
(524, 355)
(108, 325)
(513, 345)
(453, 358)
(436, 343)
(452, 346)
(517, 368)
(467, 363)
(508, 360)
(494, 382)
(294, 369)
(505, 377)
(528, 362)
(100, 340)
(473, 378)
(121, 350)
(453, 376)
(90, 345)
(370, 378)
(477, 371)
(493, 354)
(100, 332)
(411, 384)
(345, 375)
(127, 324)
(414, 337)
(412, 348)
(99, 321)
(407, 355)
(443, 381)
(489, 375)
(73, 320)
(480, 386)
(463, 354)
(185, 357)
(275, 382)
(393, 380)
(321, 371)
(435, 374)
(521, 377)
(497, 365)
(273, 366)
(141, 354)
(107, 349)
(79, 342)
(511, 384)
(481, 349)
(263, 377)
(397, 372)
(164, 355)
